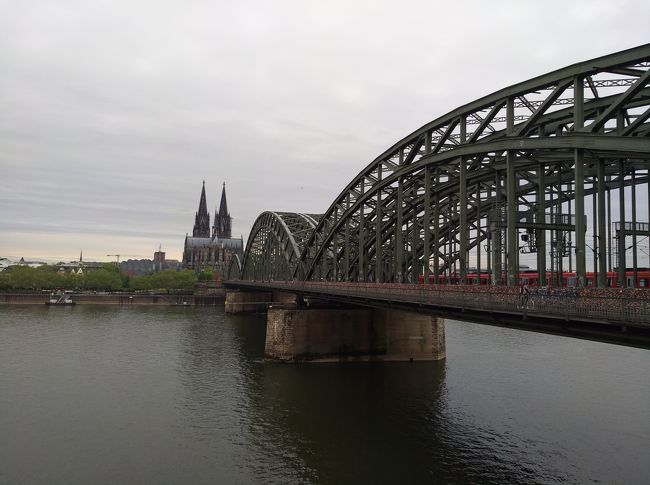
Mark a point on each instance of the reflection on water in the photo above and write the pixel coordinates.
(182, 395)
(379, 409)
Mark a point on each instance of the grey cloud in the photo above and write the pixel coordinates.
(113, 112)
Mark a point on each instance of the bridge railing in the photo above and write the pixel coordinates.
(608, 305)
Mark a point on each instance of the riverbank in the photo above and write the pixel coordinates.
(215, 298)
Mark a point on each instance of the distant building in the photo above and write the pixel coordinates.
(72, 266)
(79, 267)
(203, 251)
(31, 264)
(5, 263)
(159, 260)
(144, 267)
(138, 267)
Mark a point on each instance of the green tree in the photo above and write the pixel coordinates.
(47, 278)
(5, 284)
(206, 275)
(126, 281)
(165, 280)
(102, 280)
(21, 278)
(112, 267)
(141, 283)
(185, 279)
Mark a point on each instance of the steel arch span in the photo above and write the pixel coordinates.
(274, 246)
(556, 166)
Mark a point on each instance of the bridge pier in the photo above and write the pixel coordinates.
(247, 301)
(238, 301)
(350, 334)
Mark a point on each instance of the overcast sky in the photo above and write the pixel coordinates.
(113, 112)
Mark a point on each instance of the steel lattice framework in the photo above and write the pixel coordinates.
(274, 246)
(530, 168)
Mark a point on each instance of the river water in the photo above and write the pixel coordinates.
(182, 395)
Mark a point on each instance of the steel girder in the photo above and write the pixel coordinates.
(539, 148)
(275, 243)
(234, 268)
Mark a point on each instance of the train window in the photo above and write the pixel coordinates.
(590, 282)
(643, 283)
(630, 282)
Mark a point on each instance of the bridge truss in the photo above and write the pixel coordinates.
(549, 166)
(274, 246)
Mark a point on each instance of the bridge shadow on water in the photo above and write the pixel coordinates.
(359, 422)
(355, 423)
(482, 416)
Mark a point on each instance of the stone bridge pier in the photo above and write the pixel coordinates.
(258, 301)
(296, 333)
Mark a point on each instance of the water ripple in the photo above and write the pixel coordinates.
(182, 395)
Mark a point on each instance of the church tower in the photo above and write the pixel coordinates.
(222, 219)
(202, 219)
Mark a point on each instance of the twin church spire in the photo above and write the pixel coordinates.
(222, 227)
(202, 218)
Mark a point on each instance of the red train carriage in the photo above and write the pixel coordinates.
(531, 278)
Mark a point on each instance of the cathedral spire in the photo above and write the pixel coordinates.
(223, 221)
(216, 221)
(202, 220)
(203, 205)
(223, 208)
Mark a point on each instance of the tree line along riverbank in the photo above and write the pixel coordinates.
(106, 285)
(107, 278)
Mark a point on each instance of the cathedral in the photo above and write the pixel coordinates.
(204, 251)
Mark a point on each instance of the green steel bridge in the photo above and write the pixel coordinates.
(553, 170)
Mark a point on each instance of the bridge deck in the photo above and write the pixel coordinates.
(609, 315)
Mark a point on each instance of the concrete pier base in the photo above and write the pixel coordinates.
(325, 335)
(284, 299)
(412, 335)
(247, 301)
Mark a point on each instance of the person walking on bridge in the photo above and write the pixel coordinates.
(524, 292)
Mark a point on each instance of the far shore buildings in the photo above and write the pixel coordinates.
(130, 267)
(143, 267)
(72, 267)
(206, 251)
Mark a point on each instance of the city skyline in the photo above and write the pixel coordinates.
(113, 114)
